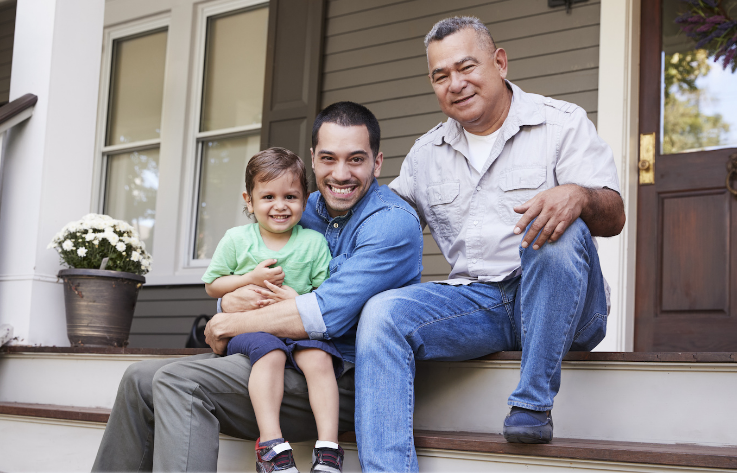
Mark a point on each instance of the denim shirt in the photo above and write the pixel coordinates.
(542, 143)
(376, 246)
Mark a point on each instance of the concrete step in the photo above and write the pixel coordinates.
(62, 438)
(628, 397)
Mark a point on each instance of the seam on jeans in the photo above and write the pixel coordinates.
(410, 410)
(510, 312)
(453, 317)
(585, 327)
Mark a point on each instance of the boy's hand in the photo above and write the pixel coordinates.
(275, 294)
(263, 274)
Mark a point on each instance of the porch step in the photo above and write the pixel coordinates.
(494, 445)
(625, 397)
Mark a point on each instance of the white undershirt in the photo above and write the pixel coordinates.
(479, 148)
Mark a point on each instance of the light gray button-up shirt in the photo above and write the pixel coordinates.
(543, 143)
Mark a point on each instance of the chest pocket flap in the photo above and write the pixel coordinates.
(443, 193)
(523, 179)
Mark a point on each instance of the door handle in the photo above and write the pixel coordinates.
(731, 169)
(647, 159)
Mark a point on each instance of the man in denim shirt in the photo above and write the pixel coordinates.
(501, 153)
(376, 242)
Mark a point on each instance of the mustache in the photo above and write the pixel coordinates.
(351, 182)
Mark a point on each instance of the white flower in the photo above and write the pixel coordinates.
(90, 236)
(113, 238)
(67, 245)
(120, 247)
(135, 256)
(82, 252)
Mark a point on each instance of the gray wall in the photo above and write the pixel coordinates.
(164, 315)
(374, 55)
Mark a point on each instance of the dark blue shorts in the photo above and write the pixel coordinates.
(255, 345)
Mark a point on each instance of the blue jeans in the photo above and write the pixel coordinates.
(557, 305)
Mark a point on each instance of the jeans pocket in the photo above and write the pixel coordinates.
(591, 334)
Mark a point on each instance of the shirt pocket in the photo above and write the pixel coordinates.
(518, 186)
(336, 262)
(444, 213)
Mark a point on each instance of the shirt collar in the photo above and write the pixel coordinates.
(523, 111)
(322, 210)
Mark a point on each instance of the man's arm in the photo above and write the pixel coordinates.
(588, 187)
(387, 255)
(281, 319)
(555, 209)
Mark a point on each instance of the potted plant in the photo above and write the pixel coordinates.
(107, 262)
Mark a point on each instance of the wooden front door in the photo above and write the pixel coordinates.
(686, 282)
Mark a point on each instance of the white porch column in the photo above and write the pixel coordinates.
(619, 52)
(47, 179)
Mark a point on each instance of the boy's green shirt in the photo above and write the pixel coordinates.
(304, 259)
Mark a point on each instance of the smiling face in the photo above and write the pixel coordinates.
(468, 80)
(344, 166)
(277, 204)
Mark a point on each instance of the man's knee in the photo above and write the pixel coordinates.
(377, 319)
(570, 246)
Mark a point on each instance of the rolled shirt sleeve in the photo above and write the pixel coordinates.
(585, 159)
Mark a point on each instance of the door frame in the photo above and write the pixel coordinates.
(618, 125)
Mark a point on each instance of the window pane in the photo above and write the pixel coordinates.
(137, 89)
(234, 70)
(130, 193)
(699, 102)
(222, 183)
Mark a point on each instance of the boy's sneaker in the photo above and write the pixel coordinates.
(275, 458)
(327, 460)
(527, 426)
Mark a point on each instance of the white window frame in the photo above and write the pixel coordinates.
(204, 13)
(102, 151)
(179, 160)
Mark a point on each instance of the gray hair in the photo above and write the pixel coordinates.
(448, 26)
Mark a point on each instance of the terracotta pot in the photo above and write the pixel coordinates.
(99, 306)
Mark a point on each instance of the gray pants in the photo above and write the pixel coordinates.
(168, 413)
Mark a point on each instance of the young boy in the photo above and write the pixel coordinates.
(276, 194)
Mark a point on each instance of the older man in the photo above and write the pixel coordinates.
(529, 282)
(168, 413)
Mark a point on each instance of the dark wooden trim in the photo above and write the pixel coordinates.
(107, 350)
(684, 455)
(15, 107)
(51, 411)
(630, 357)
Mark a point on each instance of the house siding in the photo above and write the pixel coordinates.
(7, 32)
(374, 55)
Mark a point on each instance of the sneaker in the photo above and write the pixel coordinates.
(327, 460)
(527, 426)
(275, 458)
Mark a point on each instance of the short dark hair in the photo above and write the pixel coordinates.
(349, 114)
(270, 164)
(448, 26)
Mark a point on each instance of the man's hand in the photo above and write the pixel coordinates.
(553, 211)
(242, 299)
(262, 273)
(214, 331)
(275, 294)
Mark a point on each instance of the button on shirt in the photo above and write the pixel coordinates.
(542, 143)
(376, 246)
